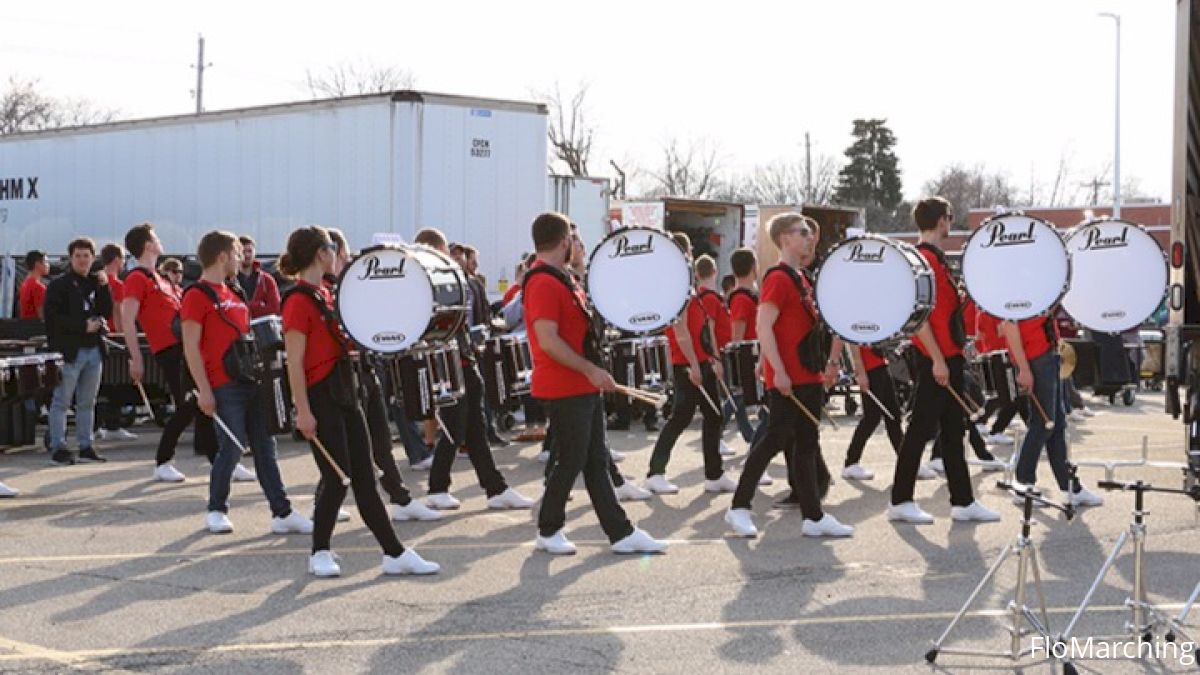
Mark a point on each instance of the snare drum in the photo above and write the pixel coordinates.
(999, 376)
(900, 283)
(393, 297)
(517, 360)
(1015, 266)
(268, 333)
(429, 378)
(741, 358)
(1118, 275)
(639, 280)
(30, 371)
(627, 362)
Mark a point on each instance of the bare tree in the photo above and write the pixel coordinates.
(349, 79)
(969, 188)
(24, 108)
(689, 169)
(571, 132)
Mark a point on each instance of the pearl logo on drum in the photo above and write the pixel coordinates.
(376, 270)
(1096, 242)
(859, 254)
(1000, 236)
(626, 249)
(639, 319)
(388, 338)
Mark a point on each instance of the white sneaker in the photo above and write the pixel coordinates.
(828, 526)
(101, 434)
(616, 456)
(414, 510)
(243, 475)
(726, 451)
(857, 472)
(409, 563)
(343, 516)
(423, 465)
(1086, 497)
(722, 484)
(167, 473)
(909, 512)
(509, 499)
(293, 523)
(631, 492)
(6, 491)
(659, 485)
(926, 473)
(555, 544)
(993, 465)
(937, 465)
(1087, 412)
(543, 456)
(741, 521)
(766, 480)
(442, 501)
(218, 523)
(1077, 416)
(998, 439)
(975, 512)
(324, 564)
(639, 542)
(124, 435)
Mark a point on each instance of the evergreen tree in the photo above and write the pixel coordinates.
(871, 176)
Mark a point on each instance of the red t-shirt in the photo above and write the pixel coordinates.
(546, 298)
(870, 359)
(117, 288)
(715, 310)
(1034, 340)
(945, 304)
(510, 294)
(744, 307)
(987, 330)
(322, 349)
(216, 335)
(795, 320)
(695, 324)
(33, 296)
(158, 302)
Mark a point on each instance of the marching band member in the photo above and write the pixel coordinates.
(792, 369)
(33, 289)
(719, 330)
(939, 367)
(327, 407)
(743, 308)
(214, 321)
(569, 385)
(871, 373)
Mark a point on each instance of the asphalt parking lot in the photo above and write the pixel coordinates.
(103, 570)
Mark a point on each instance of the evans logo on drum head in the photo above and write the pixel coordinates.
(865, 328)
(388, 338)
(860, 254)
(1000, 236)
(640, 319)
(1015, 305)
(626, 249)
(1095, 242)
(376, 271)
(1117, 314)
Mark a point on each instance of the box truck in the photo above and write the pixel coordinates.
(714, 227)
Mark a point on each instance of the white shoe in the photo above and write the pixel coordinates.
(616, 456)
(1087, 412)
(857, 472)
(409, 563)
(442, 501)
(218, 523)
(659, 485)
(101, 434)
(414, 510)
(324, 564)
(909, 512)
(543, 456)
(975, 512)
(631, 492)
(293, 523)
(766, 480)
(343, 516)
(722, 484)
(993, 465)
(998, 439)
(555, 544)
(167, 473)
(639, 542)
(741, 521)
(1086, 497)
(1077, 416)
(124, 435)
(926, 473)
(726, 451)
(6, 491)
(509, 499)
(243, 475)
(423, 465)
(828, 526)
(937, 465)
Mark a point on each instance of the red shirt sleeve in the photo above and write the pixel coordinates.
(545, 304)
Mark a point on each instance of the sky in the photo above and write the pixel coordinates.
(1012, 86)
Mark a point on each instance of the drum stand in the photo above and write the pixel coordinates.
(1187, 607)
(1028, 561)
(1145, 617)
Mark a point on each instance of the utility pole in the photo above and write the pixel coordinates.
(1095, 184)
(200, 65)
(807, 168)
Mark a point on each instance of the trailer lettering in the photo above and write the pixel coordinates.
(481, 148)
(18, 188)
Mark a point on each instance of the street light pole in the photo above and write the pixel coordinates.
(1117, 143)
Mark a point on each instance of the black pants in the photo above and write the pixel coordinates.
(880, 381)
(466, 424)
(170, 360)
(687, 398)
(580, 447)
(788, 430)
(549, 445)
(1007, 412)
(934, 408)
(343, 431)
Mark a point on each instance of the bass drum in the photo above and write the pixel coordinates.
(392, 297)
(1015, 266)
(639, 280)
(900, 289)
(1118, 275)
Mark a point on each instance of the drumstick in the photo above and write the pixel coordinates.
(709, 399)
(653, 399)
(881, 406)
(145, 399)
(804, 409)
(725, 388)
(442, 425)
(1046, 421)
(329, 458)
(971, 414)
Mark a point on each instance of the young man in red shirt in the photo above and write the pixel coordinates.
(743, 312)
(786, 317)
(214, 321)
(33, 289)
(262, 293)
(112, 256)
(939, 368)
(568, 383)
(720, 331)
(871, 373)
(695, 371)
